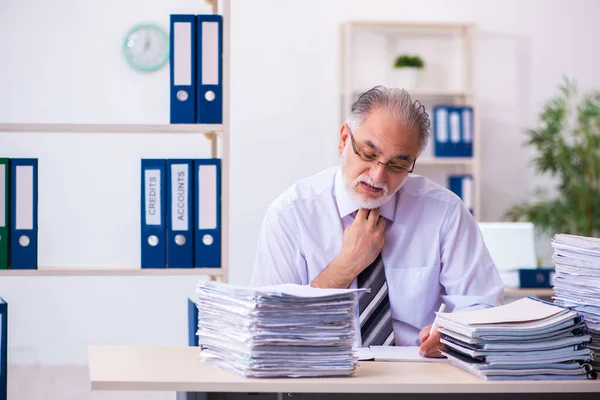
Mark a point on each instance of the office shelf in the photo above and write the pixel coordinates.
(213, 132)
(109, 128)
(462, 161)
(109, 271)
(418, 94)
(367, 51)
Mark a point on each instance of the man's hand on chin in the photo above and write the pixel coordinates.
(430, 344)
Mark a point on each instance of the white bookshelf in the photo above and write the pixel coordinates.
(110, 128)
(217, 134)
(368, 49)
(113, 271)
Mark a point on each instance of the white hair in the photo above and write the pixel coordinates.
(398, 103)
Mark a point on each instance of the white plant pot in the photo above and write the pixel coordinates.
(406, 78)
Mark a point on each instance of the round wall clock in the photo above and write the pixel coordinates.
(146, 47)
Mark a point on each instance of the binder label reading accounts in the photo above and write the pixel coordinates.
(180, 193)
(180, 215)
(24, 200)
(153, 198)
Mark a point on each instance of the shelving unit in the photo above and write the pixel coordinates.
(216, 273)
(218, 135)
(110, 128)
(368, 49)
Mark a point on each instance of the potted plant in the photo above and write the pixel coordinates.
(407, 71)
(567, 141)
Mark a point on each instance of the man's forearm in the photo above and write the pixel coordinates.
(337, 275)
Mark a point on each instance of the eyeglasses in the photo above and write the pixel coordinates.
(394, 168)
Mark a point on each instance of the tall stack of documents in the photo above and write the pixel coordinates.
(277, 331)
(577, 281)
(524, 340)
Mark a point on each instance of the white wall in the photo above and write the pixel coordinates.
(60, 62)
(285, 100)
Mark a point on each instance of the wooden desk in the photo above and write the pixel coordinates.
(179, 369)
(524, 292)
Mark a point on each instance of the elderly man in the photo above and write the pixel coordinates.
(371, 223)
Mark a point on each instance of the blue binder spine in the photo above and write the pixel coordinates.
(462, 186)
(441, 131)
(467, 129)
(209, 50)
(180, 214)
(182, 66)
(3, 349)
(208, 213)
(193, 339)
(153, 215)
(24, 213)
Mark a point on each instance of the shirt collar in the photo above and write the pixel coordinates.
(347, 206)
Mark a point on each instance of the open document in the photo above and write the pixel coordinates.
(395, 353)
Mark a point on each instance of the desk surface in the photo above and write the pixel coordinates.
(179, 369)
(524, 292)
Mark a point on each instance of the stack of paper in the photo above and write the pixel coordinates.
(526, 339)
(284, 330)
(577, 281)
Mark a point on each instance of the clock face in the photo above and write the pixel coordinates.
(146, 47)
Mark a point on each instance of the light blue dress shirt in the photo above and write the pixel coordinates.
(433, 251)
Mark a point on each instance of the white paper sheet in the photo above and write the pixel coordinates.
(395, 353)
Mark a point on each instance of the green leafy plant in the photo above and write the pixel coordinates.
(409, 61)
(568, 149)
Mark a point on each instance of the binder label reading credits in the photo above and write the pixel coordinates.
(152, 178)
(179, 201)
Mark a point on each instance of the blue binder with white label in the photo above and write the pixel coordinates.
(183, 68)
(24, 213)
(209, 81)
(180, 214)
(208, 213)
(453, 131)
(462, 186)
(153, 215)
(3, 349)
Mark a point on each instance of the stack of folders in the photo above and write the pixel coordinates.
(577, 281)
(528, 339)
(277, 331)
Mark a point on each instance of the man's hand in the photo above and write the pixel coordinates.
(363, 240)
(430, 344)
